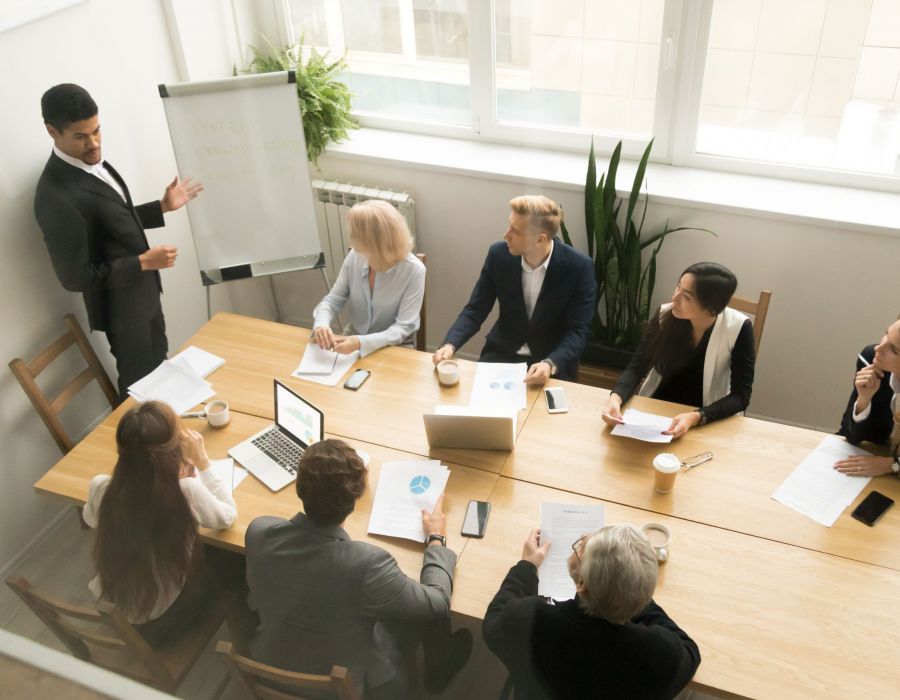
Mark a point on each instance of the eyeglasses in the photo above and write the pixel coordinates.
(575, 547)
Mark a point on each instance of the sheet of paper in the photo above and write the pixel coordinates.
(174, 383)
(563, 524)
(815, 489)
(499, 384)
(317, 360)
(202, 362)
(228, 471)
(647, 427)
(404, 490)
(341, 364)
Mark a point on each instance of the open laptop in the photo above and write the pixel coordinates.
(468, 428)
(272, 454)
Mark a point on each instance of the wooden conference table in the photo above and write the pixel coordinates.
(780, 606)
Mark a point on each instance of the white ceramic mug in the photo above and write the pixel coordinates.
(217, 413)
(660, 538)
(448, 372)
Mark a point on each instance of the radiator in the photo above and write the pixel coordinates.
(334, 198)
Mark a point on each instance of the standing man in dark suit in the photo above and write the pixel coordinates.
(95, 234)
(547, 294)
(324, 599)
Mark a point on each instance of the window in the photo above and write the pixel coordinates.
(800, 88)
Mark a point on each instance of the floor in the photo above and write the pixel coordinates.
(61, 566)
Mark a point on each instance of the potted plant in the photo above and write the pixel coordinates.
(616, 243)
(324, 100)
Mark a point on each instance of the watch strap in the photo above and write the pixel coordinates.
(553, 367)
(436, 538)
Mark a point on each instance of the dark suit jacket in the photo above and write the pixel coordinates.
(877, 427)
(94, 239)
(561, 321)
(321, 598)
(560, 651)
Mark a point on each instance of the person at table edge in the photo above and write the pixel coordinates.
(546, 290)
(695, 351)
(873, 411)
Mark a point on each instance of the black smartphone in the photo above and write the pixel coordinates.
(356, 379)
(476, 519)
(872, 508)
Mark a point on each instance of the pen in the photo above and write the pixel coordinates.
(865, 362)
(696, 460)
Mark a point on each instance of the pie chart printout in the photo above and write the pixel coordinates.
(419, 484)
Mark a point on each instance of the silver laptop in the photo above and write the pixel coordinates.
(475, 432)
(272, 454)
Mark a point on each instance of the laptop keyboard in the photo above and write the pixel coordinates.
(281, 450)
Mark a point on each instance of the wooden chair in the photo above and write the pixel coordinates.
(758, 309)
(49, 408)
(420, 334)
(248, 674)
(104, 637)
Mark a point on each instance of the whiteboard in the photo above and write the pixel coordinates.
(242, 138)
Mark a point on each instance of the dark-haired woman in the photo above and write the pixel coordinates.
(147, 551)
(695, 351)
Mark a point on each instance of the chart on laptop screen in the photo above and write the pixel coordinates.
(298, 417)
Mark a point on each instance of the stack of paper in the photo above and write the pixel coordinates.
(404, 490)
(323, 366)
(174, 383)
(643, 426)
(202, 362)
(228, 471)
(816, 489)
(563, 524)
(499, 385)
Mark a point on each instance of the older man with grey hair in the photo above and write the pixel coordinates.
(610, 641)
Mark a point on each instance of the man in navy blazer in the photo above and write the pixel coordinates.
(547, 294)
(95, 234)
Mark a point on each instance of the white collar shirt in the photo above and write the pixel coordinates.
(97, 171)
(532, 282)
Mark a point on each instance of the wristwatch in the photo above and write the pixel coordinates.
(704, 419)
(895, 466)
(435, 537)
(553, 367)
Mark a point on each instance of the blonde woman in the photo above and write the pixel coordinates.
(381, 279)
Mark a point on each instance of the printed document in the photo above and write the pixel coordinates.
(228, 471)
(174, 383)
(323, 366)
(563, 524)
(647, 427)
(816, 489)
(200, 361)
(499, 384)
(404, 490)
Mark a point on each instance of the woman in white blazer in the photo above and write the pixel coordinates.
(695, 351)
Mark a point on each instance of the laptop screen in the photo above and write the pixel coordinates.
(301, 420)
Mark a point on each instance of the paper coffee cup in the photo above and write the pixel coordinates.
(660, 539)
(665, 468)
(217, 413)
(448, 372)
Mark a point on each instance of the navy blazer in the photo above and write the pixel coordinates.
(877, 427)
(94, 239)
(561, 321)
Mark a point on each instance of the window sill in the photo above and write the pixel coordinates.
(830, 206)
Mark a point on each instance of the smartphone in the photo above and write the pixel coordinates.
(556, 399)
(356, 379)
(872, 508)
(476, 519)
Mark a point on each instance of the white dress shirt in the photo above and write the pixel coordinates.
(97, 171)
(532, 282)
(386, 315)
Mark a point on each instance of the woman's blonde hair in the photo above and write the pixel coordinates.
(544, 215)
(618, 569)
(378, 231)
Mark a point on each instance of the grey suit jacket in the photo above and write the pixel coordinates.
(321, 597)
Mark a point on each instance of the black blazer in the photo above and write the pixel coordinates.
(560, 651)
(94, 239)
(561, 321)
(877, 427)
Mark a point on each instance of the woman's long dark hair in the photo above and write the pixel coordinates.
(146, 532)
(670, 343)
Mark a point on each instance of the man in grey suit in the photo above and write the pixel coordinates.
(324, 599)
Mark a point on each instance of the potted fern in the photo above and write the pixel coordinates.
(616, 243)
(324, 100)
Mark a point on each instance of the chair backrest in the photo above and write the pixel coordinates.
(248, 675)
(758, 309)
(420, 334)
(49, 408)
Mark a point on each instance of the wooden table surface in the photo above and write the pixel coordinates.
(733, 491)
(771, 620)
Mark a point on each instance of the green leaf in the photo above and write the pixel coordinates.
(590, 194)
(636, 186)
(565, 233)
